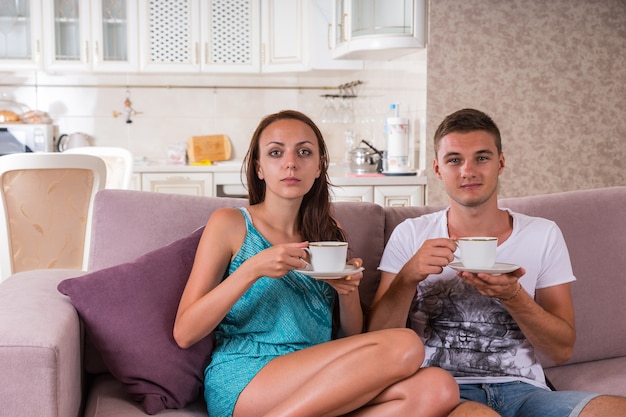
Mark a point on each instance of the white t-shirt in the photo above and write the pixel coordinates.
(471, 335)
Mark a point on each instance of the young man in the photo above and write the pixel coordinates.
(485, 328)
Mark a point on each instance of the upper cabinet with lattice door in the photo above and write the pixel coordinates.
(170, 36)
(90, 35)
(218, 36)
(199, 35)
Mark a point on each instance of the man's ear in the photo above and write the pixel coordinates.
(501, 160)
(436, 168)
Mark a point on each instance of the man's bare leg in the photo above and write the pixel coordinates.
(472, 409)
(605, 406)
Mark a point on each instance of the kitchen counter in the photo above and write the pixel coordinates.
(162, 166)
(338, 175)
(224, 179)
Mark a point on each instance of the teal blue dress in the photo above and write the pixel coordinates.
(273, 318)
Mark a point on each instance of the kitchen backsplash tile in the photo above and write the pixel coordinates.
(172, 108)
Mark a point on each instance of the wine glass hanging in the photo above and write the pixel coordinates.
(339, 107)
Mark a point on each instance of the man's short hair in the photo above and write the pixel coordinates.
(465, 121)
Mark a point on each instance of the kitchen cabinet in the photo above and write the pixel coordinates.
(170, 35)
(399, 195)
(378, 29)
(402, 190)
(189, 183)
(357, 194)
(222, 36)
(383, 195)
(86, 35)
(321, 41)
(225, 180)
(20, 35)
(199, 35)
(296, 36)
(208, 184)
(173, 36)
(284, 29)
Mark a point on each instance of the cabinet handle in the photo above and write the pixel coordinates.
(206, 53)
(197, 52)
(37, 51)
(86, 51)
(329, 35)
(96, 52)
(344, 28)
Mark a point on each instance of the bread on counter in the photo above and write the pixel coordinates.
(8, 116)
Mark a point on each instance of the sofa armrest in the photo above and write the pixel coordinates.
(40, 346)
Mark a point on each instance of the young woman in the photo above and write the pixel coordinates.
(274, 355)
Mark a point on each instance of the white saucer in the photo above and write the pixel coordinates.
(348, 270)
(497, 268)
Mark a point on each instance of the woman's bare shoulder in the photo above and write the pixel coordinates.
(226, 220)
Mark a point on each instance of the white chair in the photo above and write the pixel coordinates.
(119, 163)
(46, 202)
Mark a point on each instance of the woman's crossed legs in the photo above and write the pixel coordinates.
(370, 374)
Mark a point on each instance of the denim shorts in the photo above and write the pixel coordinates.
(519, 399)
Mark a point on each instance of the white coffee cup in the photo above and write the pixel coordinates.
(328, 256)
(478, 252)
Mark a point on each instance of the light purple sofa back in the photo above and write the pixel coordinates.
(593, 223)
(128, 224)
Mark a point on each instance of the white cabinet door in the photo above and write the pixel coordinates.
(384, 195)
(399, 195)
(114, 36)
(352, 193)
(378, 29)
(84, 35)
(284, 29)
(178, 183)
(296, 36)
(20, 35)
(231, 36)
(223, 36)
(321, 39)
(192, 36)
(169, 35)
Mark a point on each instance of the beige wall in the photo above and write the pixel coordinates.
(552, 74)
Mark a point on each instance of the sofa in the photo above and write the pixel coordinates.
(49, 354)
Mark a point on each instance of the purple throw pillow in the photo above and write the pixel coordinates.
(128, 311)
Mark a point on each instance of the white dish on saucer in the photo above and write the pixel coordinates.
(496, 269)
(348, 270)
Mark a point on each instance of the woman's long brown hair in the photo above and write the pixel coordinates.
(315, 220)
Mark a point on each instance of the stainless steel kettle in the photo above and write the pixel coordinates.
(363, 160)
(366, 160)
(73, 140)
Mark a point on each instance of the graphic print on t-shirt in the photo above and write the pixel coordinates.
(464, 332)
